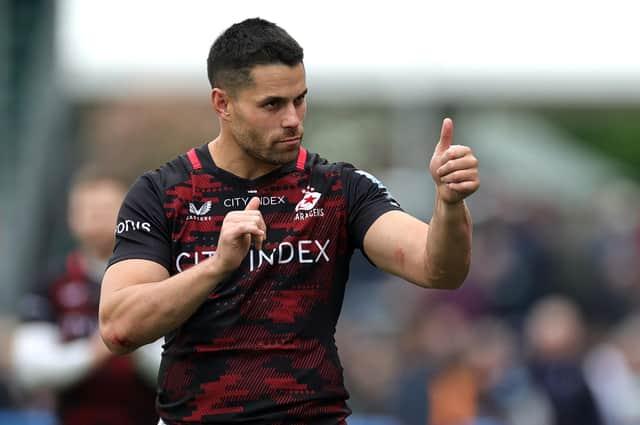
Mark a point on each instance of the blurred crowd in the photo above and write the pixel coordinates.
(545, 330)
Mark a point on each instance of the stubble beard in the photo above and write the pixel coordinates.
(261, 149)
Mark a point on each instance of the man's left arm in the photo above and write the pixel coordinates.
(438, 254)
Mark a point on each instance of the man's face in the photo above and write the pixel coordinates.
(267, 117)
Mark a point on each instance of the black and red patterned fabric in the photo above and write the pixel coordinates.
(261, 348)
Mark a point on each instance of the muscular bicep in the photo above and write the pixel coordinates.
(132, 272)
(396, 243)
(123, 275)
(127, 286)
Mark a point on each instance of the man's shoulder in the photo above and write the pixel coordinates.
(317, 162)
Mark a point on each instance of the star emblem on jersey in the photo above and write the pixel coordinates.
(306, 207)
(203, 210)
(308, 201)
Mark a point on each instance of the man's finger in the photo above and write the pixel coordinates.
(257, 237)
(465, 162)
(257, 241)
(466, 187)
(252, 230)
(460, 176)
(262, 226)
(446, 135)
(253, 204)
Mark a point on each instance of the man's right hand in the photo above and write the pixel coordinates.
(239, 229)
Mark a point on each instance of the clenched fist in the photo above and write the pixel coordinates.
(453, 168)
(239, 229)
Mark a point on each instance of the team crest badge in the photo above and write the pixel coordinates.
(308, 201)
(307, 206)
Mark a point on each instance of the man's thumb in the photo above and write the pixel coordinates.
(253, 204)
(446, 135)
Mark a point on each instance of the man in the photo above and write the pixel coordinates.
(57, 348)
(238, 252)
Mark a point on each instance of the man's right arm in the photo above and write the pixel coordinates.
(140, 303)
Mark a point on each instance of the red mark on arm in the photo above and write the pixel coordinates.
(123, 342)
(399, 256)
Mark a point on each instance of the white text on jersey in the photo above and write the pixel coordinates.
(303, 252)
(243, 201)
(129, 225)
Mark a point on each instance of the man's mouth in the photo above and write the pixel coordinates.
(289, 140)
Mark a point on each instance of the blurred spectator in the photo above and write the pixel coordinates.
(452, 394)
(505, 392)
(370, 391)
(613, 373)
(57, 347)
(614, 251)
(555, 336)
(511, 267)
(434, 383)
(469, 374)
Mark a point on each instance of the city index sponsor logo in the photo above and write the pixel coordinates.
(303, 252)
(201, 213)
(242, 201)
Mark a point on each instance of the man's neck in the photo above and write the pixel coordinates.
(229, 156)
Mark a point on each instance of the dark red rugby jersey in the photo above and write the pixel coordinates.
(261, 348)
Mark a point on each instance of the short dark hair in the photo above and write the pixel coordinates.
(244, 45)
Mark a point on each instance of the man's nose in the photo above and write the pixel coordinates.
(291, 117)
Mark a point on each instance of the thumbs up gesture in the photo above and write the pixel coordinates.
(453, 168)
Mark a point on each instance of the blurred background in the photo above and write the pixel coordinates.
(546, 328)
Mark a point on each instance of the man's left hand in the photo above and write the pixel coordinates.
(453, 168)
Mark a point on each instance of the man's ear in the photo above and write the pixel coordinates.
(220, 101)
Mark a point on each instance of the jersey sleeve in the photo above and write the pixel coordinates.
(142, 231)
(367, 199)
